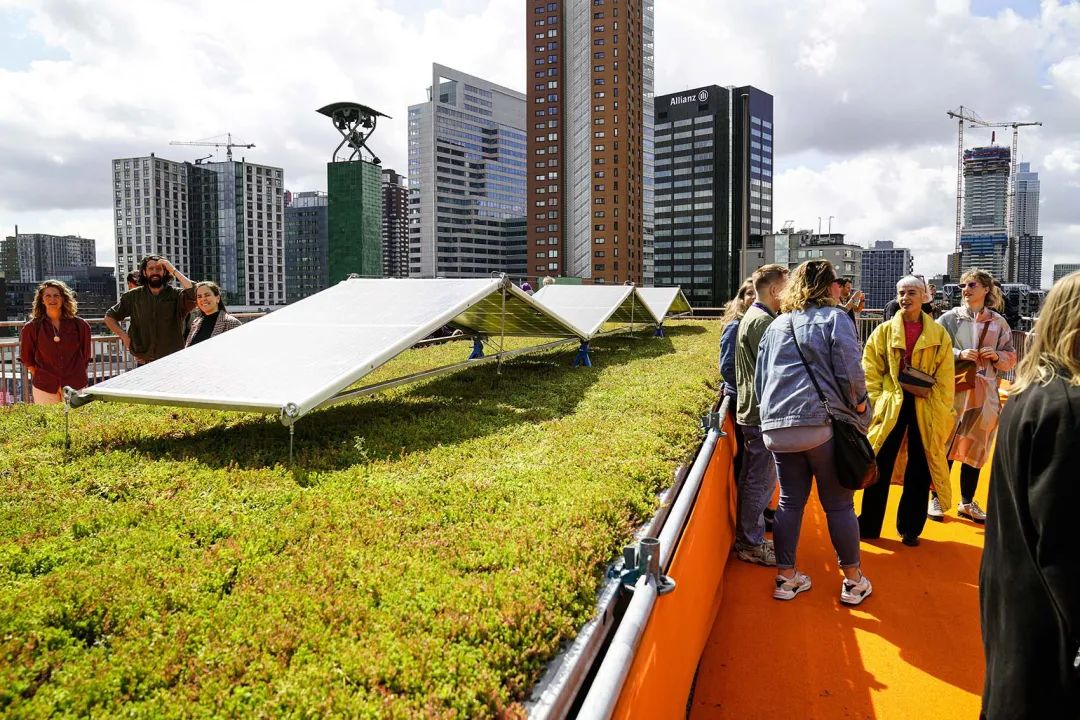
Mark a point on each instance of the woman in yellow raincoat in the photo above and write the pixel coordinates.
(910, 338)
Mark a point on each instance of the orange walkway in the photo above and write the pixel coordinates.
(912, 650)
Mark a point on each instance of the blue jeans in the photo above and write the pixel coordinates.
(757, 482)
(796, 472)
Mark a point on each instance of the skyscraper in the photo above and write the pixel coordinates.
(590, 91)
(882, 266)
(1026, 265)
(1063, 269)
(216, 221)
(33, 257)
(713, 185)
(307, 239)
(466, 178)
(395, 225)
(150, 208)
(984, 238)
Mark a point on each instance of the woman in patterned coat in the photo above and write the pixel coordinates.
(211, 319)
(982, 336)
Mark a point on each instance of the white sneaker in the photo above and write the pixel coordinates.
(787, 588)
(971, 511)
(934, 510)
(853, 593)
(763, 554)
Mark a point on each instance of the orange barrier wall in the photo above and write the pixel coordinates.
(667, 658)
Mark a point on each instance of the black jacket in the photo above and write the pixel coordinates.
(1030, 576)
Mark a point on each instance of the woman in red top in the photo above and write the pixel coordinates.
(55, 344)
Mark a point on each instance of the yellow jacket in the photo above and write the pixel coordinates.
(934, 414)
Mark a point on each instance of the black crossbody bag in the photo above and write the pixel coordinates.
(856, 468)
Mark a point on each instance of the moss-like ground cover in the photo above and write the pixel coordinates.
(430, 552)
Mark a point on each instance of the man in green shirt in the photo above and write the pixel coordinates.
(757, 481)
(157, 311)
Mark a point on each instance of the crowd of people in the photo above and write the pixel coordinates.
(924, 391)
(153, 318)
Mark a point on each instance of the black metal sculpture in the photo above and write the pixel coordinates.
(355, 122)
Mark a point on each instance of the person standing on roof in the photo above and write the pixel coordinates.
(212, 319)
(916, 405)
(893, 306)
(812, 342)
(729, 332)
(55, 345)
(1029, 583)
(982, 339)
(527, 288)
(757, 479)
(157, 311)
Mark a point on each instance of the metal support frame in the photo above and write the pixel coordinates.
(582, 358)
(659, 331)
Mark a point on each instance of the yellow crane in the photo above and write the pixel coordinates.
(967, 115)
(211, 142)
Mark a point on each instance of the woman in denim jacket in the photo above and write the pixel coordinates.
(796, 426)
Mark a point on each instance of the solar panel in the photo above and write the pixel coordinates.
(664, 301)
(305, 353)
(591, 307)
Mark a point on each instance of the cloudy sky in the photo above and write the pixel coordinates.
(861, 89)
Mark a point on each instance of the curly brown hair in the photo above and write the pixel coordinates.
(809, 284)
(68, 309)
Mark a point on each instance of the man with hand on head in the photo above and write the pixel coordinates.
(157, 311)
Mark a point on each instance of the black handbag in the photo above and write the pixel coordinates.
(915, 381)
(856, 467)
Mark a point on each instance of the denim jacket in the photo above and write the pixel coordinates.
(727, 356)
(829, 342)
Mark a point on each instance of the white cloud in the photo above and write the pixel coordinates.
(861, 91)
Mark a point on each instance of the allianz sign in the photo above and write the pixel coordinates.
(700, 97)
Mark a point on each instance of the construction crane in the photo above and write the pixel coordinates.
(967, 115)
(208, 142)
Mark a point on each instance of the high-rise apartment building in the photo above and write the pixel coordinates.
(395, 225)
(713, 189)
(984, 235)
(467, 169)
(216, 221)
(1063, 269)
(306, 244)
(792, 247)
(33, 257)
(882, 266)
(1026, 262)
(590, 103)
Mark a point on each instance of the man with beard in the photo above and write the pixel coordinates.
(157, 311)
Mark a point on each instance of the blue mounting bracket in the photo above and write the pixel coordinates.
(659, 331)
(477, 348)
(582, 357)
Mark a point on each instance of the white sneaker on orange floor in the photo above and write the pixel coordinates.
(853, 593)
(763, 554)
(787, 588)
(971, 511)
(934, 510)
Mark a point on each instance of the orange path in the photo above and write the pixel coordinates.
(912, 650)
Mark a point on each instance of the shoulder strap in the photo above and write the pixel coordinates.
(821, 395)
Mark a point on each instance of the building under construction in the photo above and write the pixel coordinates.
(984, 237)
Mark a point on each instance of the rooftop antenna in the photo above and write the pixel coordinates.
(356, 123)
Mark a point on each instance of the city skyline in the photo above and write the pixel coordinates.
(861, 143)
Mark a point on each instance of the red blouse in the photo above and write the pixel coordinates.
(57, 363)
(912, 331)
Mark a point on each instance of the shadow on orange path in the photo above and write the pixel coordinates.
(912, 650)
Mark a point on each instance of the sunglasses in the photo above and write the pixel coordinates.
(971, 285)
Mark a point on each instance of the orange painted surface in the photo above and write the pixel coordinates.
(912, 650)
(663, 670)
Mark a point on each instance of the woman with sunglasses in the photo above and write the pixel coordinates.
(980, 336)
(913, 405)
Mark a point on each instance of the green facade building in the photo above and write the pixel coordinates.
(355, 219)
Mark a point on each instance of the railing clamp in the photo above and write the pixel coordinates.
(644, 559)
(712, 420)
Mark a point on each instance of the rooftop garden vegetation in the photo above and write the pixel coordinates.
(429, 552)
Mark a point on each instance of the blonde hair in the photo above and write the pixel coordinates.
(994, 298)
(1054, 345)
(68, 307)
(736, 307)
(809, 284)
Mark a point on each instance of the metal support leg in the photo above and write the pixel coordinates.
(292, 430)
(477, 348)
(67, 423)
(582, 357)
